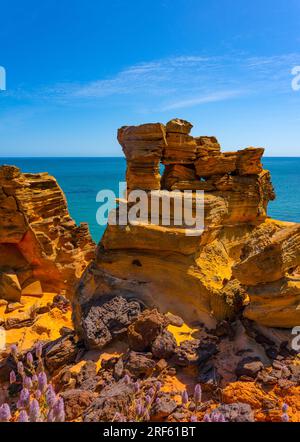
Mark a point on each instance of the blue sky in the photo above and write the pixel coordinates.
(78, 70)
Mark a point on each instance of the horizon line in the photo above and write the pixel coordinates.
(115, 156)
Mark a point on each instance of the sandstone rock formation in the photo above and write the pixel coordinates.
(242, 263)
(41, 248)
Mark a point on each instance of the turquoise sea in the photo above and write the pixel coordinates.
(82, 178)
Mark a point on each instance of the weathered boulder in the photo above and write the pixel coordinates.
(163, 345)
(112, 399)
(249, 366)
(139, 364)
(180, 147)
(102, 322)
(61, 352)
(237, 412)
(210, 165)
(76, 402)
(163, 407)
(142, 146)
(145, 329)
(249, 161)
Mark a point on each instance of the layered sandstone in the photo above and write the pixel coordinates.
(41, 247)
(242, 262)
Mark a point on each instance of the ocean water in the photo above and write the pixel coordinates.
(82, 178)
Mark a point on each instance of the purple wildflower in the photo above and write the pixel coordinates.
(29, 359)
(5, 414)
(38, 394)
(35, 380)
(50, 416)
(27, 382)
(148, 399)
(221, 418)
(34, 411)
(184, 397)
(193, 419)
(14, 350)
(59, 410)
(206, 418)
(136, 386)
(50, 396)
(140, 411)
(215, 416)
(285, 408)
(158, 385)
(24, 398)
(42, 381)
(12, 377)
(285, 417)
(151, 392)
(23, 416)
(198, 394)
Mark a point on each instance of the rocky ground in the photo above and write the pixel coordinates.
(152, 366)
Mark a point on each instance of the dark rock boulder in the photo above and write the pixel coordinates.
(112, 399)
(164, 345)
(163, 407)
(249, 367)
(187, 353)
(87, 378)
(236, 412)
(145, 329)
(139, 364)
(103, 322)
(61, 352)
(76, 402)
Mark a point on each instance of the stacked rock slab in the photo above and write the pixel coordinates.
(213, 276)
(143, 146)
(41, 248)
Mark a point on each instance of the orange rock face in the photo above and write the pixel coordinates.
(40, 243)
(224, 271)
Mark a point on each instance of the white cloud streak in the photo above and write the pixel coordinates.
(180, 82)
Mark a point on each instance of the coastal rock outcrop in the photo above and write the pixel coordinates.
(41, 248)
(242, 262)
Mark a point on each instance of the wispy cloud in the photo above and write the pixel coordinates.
(179, 82)
(213, 97)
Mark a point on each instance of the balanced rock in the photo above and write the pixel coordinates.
(249, 161)
(180, 147)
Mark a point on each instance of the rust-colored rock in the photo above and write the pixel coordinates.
(248, 161)
(42, 244)
(145, 329)
(180, 146)
(210, 165)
